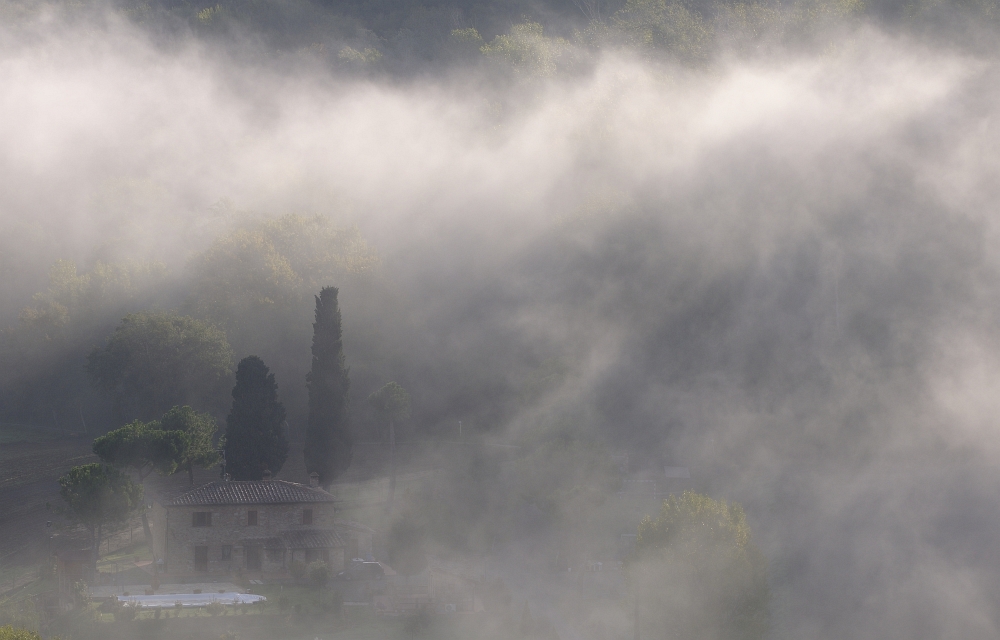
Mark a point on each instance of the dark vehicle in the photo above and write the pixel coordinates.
(362, 571)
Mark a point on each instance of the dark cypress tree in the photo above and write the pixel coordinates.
(328, 439)
(255, 428)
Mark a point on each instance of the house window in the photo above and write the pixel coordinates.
(307, 516)
(227, 552)
(201, 519)
(317, 554)
(201, 558)
(251, 518)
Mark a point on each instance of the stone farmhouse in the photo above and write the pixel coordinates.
(253, 528)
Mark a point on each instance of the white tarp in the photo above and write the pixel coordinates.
(168, 600)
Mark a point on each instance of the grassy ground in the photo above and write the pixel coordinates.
(11, 432)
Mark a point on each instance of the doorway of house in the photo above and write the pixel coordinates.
(201, 558)
(253, 558)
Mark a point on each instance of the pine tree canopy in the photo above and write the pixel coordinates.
(255, 427)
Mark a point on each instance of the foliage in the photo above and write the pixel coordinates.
(199, 431)
(8, 632)
(654, 24)
(391, 401)
(526, 49)
(154, 361)
(126, 612)
(255, 438)
(328, 438)
(297, 568)
(270, 266)
(318, 572)
(215, 607)
(697, 574)
(141, 446)
(369, 56)
(19, 614)
(43, 354)
(97, 495)
(81, 594)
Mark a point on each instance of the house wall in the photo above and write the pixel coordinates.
(229, 527)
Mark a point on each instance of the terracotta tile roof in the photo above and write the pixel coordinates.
(313, 539)
(250, 492)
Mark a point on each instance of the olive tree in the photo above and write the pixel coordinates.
(696, 573)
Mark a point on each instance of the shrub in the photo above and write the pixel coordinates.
(16, 633)
(81, 595)
(127, 612)
(215, 607)
(283, 603)
(319, 573)
(110, 605)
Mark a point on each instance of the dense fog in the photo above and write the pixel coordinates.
(774, 262)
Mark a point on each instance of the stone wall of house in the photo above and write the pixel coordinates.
(229, 528)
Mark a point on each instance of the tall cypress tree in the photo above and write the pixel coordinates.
(255, 428)
(328, 439)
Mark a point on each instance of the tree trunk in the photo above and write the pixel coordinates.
(97, 545)
(392, 465)
(94, 541)
(149, 538)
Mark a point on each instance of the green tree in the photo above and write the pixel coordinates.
(655, 25)
(696, 573)
(199, 431)
(97, 495)
(142, 447)
(526, 50)
(255, 437)
(8, 632)
(391, 403)
(328, 438)
(154, 361)
(42, 358)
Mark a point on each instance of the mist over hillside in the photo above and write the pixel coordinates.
(758, 240)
